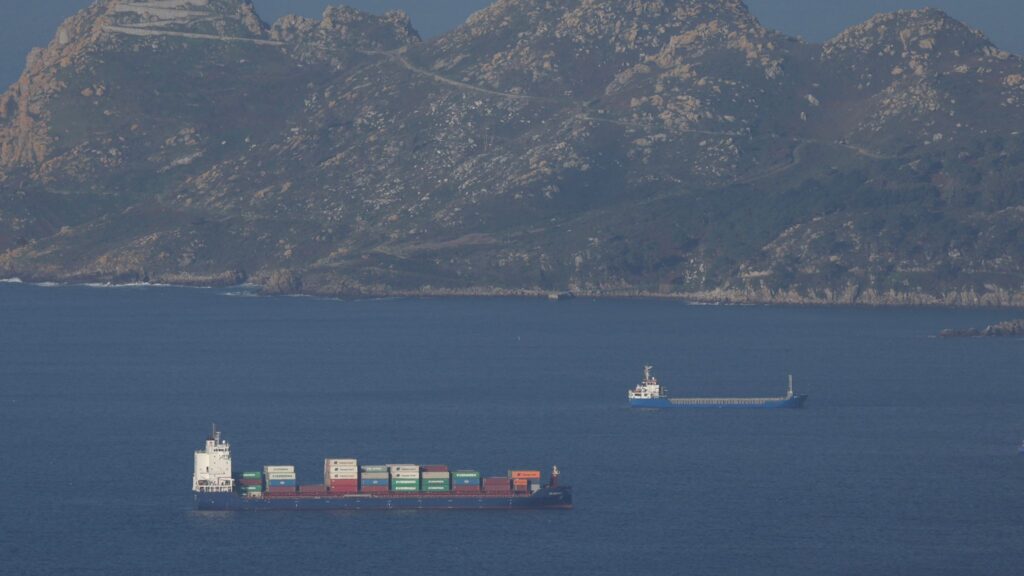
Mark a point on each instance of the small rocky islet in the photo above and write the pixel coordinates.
(1010, 328)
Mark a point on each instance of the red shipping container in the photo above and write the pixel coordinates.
(434, 468)
(344, 485)
(467, 489)
(313, 489)
(281, 489)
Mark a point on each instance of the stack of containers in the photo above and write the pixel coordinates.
(404, 477)
(435, 479)
(313, 489)
(279, 479)
(251, 483)
(466, 481)
(341, 475)
(497, 485)
(374, 479)
(521, 479)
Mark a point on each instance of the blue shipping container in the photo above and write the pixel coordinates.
(374, 482)
(281, 482)
(466, 481)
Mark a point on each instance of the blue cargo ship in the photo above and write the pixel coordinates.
(215, 488)
(649, 394)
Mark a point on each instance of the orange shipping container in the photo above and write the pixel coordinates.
(524, 474)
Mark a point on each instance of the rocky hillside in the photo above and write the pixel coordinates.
(668, 147)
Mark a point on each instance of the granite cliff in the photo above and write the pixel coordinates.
(610, 147)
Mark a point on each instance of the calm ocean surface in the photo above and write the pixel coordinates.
(904, 461)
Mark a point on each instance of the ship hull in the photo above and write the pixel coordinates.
(720, 403)
(547, 498)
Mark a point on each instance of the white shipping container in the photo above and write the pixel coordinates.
(338, 476)
(429, 475)
(279, 469)
(416, 466)
(406, 476)
(281, 476)
(341, 462)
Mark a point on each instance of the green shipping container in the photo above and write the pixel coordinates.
(374, 468)
(465, 474)
(252, 475)
(437, 488)
(405, 484)
(405, 489)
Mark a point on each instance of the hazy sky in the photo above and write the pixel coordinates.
(28, 23)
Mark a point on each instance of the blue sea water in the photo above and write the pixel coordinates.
(903, 462)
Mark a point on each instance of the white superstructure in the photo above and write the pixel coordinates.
(213, 466)
(649, 388)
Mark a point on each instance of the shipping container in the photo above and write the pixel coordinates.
(374, 468)
(313, 489)
(465, 474)
(435, 475)
(251, 475)
(374, 481)
(280, 489)
(280, 482)
(405, 485)
(524, 474)
(374, 488)
(375, 475)
(434, 468)
(341, 462)
(269, 469)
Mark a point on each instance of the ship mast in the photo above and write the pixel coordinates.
(790, 394)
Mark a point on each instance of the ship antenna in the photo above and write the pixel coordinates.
(790, 385)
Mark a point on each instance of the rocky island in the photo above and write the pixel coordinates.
(1013, 328)
(672, 148)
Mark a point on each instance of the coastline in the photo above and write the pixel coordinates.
(719, 297)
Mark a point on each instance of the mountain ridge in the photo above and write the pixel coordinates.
(657, 147)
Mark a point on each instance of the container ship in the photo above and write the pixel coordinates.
(649, 394)
(349, 485)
